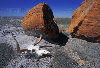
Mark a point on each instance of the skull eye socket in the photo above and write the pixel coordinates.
(33, 50)
(39, 49)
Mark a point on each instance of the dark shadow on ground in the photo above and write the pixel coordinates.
(62, 40)
(88, 38)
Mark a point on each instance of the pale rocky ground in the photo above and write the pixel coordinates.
(66, 53)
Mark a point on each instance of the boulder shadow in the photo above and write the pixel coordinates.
(61, 40)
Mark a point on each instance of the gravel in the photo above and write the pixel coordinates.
(65, 52)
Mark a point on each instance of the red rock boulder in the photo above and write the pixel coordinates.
(85, 22)
(39, 19)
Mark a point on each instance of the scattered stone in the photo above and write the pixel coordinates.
(21, 66)
(80, 61)
(16, 62)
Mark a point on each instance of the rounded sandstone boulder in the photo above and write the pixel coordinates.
(85, 22)
(39, 19)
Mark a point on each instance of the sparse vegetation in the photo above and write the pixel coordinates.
(62, 20)
(63, 23)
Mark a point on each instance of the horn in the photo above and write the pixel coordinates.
(38, 40)
(17, 45)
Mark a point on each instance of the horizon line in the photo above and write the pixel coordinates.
(23, 16)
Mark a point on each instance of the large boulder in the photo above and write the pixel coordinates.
(85, 22)
(39, 19)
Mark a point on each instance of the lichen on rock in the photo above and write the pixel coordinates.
(85, 22)
(39, 19)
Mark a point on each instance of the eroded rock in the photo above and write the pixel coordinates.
(85, 22)
(39, 19)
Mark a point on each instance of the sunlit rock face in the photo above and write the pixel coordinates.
(38, 20)
(85, 22)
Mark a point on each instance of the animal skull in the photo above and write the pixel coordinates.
(30, 48)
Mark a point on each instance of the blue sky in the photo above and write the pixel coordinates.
(60, 8)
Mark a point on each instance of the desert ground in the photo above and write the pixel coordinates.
(66, 52)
